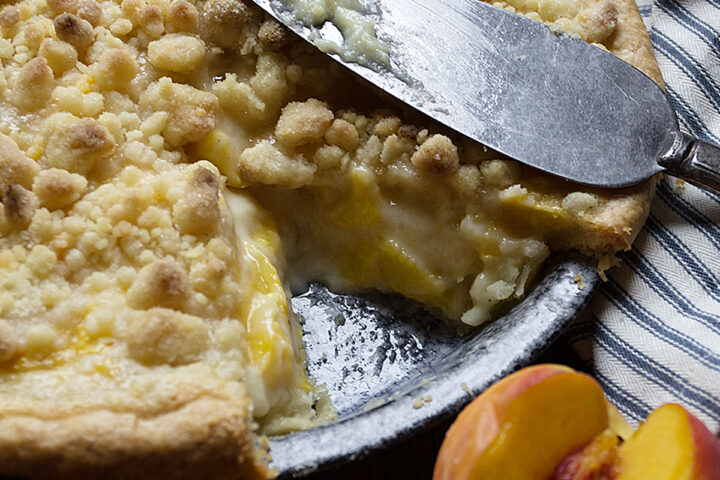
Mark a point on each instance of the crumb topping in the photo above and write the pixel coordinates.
(436, 155)
(15, 167)
(139, 140)
(303, 122)
(34, 85)
(19, 206)
(198, 211)
(56, 188)
(165, 336)
(190, 110)
(176, 52)
(77, 144)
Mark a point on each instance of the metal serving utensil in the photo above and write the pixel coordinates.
(541, 97)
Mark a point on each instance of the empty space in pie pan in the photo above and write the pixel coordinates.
(391, 369)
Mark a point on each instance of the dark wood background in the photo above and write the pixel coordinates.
(414, 458)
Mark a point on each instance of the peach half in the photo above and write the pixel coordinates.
(548, 422)
(523, 426)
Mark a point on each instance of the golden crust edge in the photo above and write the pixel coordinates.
(204, 439)
(631, 41)
(615, 225)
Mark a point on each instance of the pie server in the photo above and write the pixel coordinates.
(546, 99)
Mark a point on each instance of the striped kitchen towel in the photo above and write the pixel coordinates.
(652, 333)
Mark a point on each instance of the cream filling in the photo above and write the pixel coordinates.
(364, 235)
(359, 42)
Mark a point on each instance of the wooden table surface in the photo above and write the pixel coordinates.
(414, 458)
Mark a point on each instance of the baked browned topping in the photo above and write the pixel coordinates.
(144, 324)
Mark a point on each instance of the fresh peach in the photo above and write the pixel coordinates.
(549, 422)
(523, 426)
(671, 445)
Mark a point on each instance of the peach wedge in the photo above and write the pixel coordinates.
(671, 445)
(523, 426)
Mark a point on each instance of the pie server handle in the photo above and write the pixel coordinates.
(691, 159)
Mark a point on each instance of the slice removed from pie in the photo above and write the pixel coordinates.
(168, 168)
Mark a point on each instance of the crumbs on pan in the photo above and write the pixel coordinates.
(421, 401)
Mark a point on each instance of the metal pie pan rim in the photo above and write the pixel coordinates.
(356, 435)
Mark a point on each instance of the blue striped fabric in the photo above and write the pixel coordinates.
(652, 334)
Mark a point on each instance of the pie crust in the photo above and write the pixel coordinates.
(144, 324)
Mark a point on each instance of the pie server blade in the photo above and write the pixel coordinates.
(543, 98)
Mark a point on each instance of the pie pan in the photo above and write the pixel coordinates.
(392, 369)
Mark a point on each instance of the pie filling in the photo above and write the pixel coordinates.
(168, 169)
(353, 29)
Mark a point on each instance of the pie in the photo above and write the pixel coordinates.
(168, 169)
